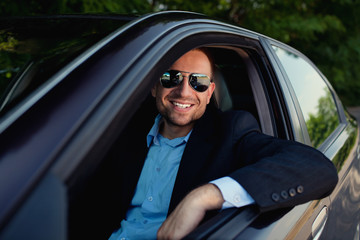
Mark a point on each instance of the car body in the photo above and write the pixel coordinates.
(80, 81)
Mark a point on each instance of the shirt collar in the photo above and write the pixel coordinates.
(153, 135)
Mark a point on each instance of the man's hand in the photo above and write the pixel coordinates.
(190, 211)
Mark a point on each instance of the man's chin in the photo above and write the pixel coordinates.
(179, 122)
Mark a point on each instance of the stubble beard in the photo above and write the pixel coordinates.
(175, 123)
(175, 120)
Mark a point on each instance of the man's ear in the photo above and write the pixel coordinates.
(211, 90)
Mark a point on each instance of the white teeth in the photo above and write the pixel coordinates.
(181, 105)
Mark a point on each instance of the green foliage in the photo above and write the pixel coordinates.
(321, 125)
(328, 32)
(8, 43)
(346, 149)
(106, 6)
(28, 7)
(209, 7)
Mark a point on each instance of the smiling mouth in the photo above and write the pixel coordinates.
(180, 105)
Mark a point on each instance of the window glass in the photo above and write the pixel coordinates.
(34, 49)
(315, 99)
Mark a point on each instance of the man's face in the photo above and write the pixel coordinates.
(181, 106)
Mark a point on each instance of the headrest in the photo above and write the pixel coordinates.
(221, 93)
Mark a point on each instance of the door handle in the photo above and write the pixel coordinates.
(319, 223)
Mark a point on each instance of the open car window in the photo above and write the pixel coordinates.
(235, 85)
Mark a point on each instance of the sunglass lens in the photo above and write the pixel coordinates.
(171, 79)
(199, 82)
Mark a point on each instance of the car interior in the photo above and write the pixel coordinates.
(94, 201)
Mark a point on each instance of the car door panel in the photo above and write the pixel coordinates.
(42, 216)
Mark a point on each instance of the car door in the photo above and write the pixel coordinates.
(324, 125)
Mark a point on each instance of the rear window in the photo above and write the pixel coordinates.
(314, 96)
(34, 49)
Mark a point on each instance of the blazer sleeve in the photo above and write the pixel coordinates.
(279, 173)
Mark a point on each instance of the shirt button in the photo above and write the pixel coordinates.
(150, 198)
(158, 169)
(300, 189)
(145, 221)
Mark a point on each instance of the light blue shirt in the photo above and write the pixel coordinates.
(149, 206)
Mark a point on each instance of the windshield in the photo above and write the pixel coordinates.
(34, 49)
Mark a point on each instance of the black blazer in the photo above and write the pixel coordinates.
(276, 173)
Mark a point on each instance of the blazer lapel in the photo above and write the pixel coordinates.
(194, 159)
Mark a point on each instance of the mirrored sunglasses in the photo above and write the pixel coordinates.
(198, 82)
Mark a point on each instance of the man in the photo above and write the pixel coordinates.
(213, 160)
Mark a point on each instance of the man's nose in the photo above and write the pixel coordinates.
(184, 88)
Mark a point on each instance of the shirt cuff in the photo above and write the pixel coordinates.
(233, 193)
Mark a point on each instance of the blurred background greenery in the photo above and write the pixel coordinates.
(327, 31)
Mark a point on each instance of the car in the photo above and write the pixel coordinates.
(72, 86)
